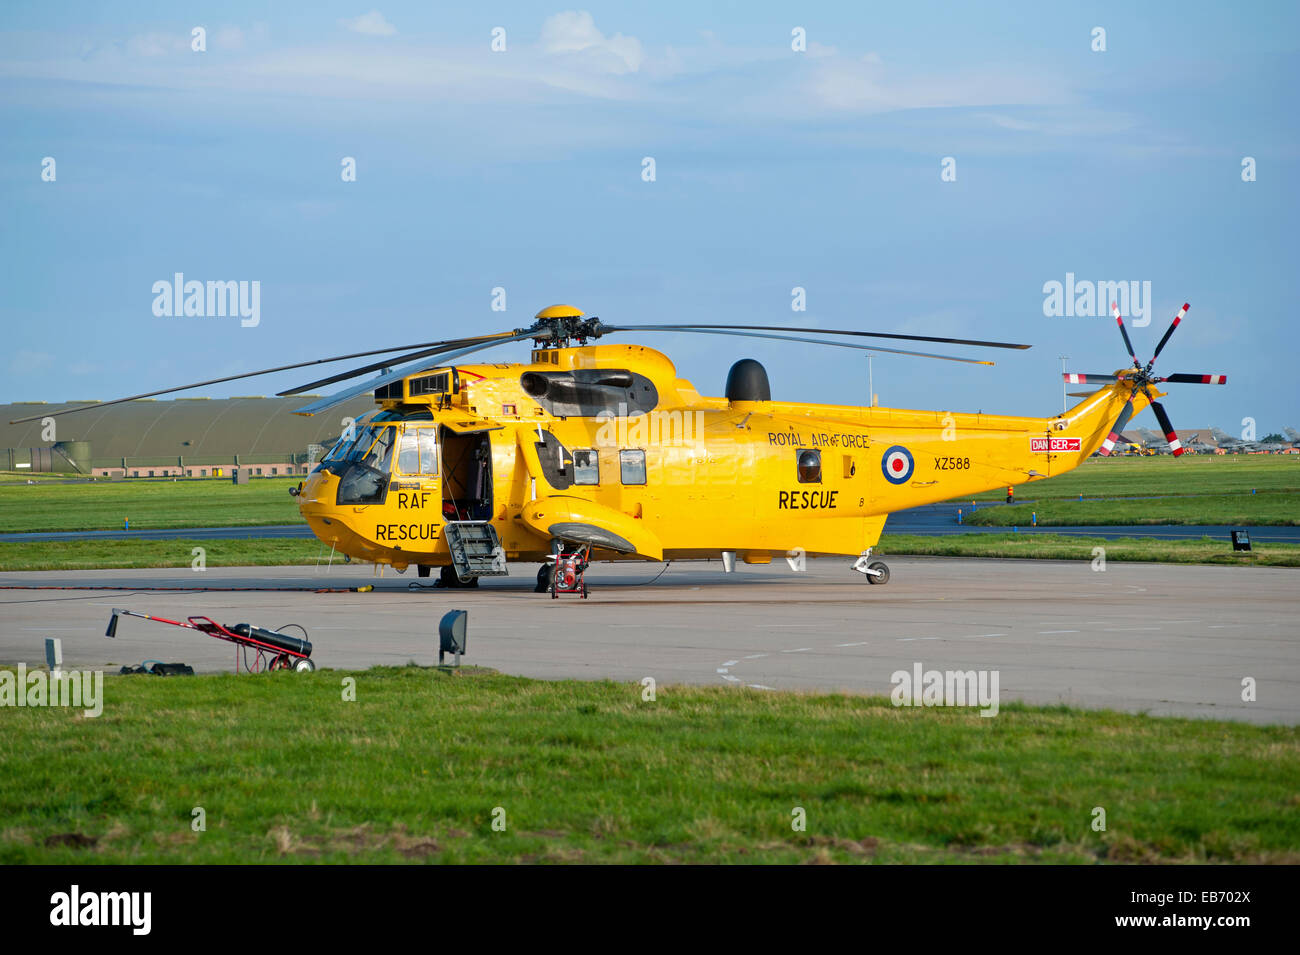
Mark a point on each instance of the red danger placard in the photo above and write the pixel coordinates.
(1054, 444)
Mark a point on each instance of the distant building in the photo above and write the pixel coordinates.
(184, 437)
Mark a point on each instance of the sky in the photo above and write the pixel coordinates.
(911, 167)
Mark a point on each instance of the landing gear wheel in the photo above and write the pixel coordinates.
(304, 665)
(449, 578)
(543, 579)
(882, 577)
(423, 570)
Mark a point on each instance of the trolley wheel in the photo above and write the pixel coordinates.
(304, 665)
(882, 577)
(543, 579)
(423, 569)
(280, 663)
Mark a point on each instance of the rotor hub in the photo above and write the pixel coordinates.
(562, 325)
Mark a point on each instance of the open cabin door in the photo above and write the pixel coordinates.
(467, 503)
(466, 471)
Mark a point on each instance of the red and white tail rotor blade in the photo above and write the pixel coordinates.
(1166, 426)
(1112, 439)
(1196, 379)
(1075, 378)
(1114, 310)
(1168, 331)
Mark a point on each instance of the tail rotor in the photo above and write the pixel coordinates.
(1139, 377)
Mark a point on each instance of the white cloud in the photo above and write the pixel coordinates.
(370, 24)
(574, 32)
(27, 362)
(1008, 122)
(864, 84)
(159, 44)
(573, 57)
(850, 84)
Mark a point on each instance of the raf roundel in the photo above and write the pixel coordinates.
(897, 464)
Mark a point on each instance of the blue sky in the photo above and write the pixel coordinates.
(774, 169)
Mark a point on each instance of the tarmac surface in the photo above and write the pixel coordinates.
(1167, 639)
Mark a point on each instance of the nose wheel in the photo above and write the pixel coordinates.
(876, 571)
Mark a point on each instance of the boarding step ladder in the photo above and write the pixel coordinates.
(475, 549)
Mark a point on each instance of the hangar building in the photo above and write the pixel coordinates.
(183, 437)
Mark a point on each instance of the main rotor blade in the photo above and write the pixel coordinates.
(324, 404)
(248, 374)
(815, 331)
(1196, 379)
(1168, 331)
(387, 363)
(1108, 445)
(1114, 310)
(1167, 427)
(702, 330)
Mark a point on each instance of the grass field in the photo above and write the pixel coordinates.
(104, 505)
(102, 554)
(1251, 510)
(286, 771)
(1069, 547)
(1252, 490)
(1165, 474)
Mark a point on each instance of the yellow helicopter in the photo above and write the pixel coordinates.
(601, 452)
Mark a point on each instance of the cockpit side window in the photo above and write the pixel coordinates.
(408, 455)
(428, 451)
(418, 452)
(363, 471)
(352, 448)
(380, 455)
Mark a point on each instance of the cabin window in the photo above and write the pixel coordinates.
(632, 465)
(586, 467)
(810, 467)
